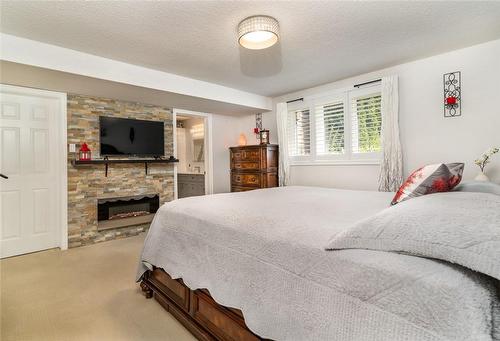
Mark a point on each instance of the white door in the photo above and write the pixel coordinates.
(30, 213)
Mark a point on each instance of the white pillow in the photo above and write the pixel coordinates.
(458, 227)
(479, 186)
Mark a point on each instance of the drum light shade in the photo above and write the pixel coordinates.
(258, 32)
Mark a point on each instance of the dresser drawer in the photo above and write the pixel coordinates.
(241, 189)
(246, 179)
(246, 155)
(190, 189)
(191, 177)
(246, 165)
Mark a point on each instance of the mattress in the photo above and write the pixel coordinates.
(262, 252)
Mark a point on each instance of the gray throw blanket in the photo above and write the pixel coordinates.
(457, 227)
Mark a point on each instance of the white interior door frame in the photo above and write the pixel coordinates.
(209, 174)
(62, 167)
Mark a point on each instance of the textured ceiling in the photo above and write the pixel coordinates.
(321, 41)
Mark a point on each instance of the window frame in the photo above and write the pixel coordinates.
(348, 158)
(296, 107)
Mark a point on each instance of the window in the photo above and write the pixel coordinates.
(299, 132)
(341, 128)
(330, 128)
(366, 122)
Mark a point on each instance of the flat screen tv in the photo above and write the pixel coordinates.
(123, 136)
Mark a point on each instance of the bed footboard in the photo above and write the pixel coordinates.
(196, 309)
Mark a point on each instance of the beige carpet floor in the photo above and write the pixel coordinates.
(85, 293)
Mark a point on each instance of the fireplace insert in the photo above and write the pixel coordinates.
(126, 211)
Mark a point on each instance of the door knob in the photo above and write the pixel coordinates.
(4, 176)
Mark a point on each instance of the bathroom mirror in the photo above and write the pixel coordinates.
(198, 150)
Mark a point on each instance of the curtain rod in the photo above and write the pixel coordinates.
(355, 85)
(366, 83)
(295, 100)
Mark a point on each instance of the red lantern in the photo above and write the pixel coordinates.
(85, 153)
(451, 100)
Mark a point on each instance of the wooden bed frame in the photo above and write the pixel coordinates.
(196, 309)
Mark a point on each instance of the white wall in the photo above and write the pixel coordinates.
(427, 136)
(247, 123)
(225, 132)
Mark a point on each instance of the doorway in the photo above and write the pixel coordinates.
(192, 145)
(33, 179)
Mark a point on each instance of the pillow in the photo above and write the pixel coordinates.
(429, 179)
(479, 186)
(458, 227)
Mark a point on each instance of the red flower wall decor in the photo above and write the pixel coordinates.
(452, 94)
(451, 100)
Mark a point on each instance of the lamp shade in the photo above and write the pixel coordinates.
(242, 140)
(258, 32)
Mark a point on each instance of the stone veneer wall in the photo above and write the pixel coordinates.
(86, 184)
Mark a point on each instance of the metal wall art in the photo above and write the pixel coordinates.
(258, 125)
(452, 94)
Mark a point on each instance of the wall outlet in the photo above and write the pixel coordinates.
(72, 148)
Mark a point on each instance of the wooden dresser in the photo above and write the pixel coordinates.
(254, 167)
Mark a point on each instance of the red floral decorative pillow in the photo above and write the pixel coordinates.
(429, 179)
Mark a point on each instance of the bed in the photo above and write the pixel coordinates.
(253, 265)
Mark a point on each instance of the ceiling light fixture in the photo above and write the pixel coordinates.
(258, 32)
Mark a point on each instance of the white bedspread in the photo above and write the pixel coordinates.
(262, 252)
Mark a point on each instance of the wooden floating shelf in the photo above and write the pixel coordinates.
(106, 162)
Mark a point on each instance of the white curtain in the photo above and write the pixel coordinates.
(284, 165)
(391, 169)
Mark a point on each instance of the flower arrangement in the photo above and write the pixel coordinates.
(486, 158)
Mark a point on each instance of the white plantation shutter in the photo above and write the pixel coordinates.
(329, 128)
(340, 127)
(299, 132)
(366, 123)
